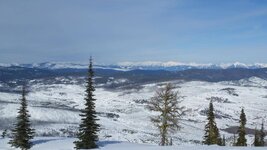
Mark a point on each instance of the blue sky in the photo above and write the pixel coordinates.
(203, 31)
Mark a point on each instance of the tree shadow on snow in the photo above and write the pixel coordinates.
(105, 143)
(42, 141)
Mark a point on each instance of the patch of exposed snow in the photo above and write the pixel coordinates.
(59, 143)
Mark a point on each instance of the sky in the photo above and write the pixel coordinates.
(202, 31)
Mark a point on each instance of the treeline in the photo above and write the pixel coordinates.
(212, 135)
(166, 101)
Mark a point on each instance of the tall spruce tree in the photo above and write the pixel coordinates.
(241, 140)
(212, 135)
(87, 135)
(262, 135)
(23, 133)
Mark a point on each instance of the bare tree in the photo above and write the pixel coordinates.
(167, 102)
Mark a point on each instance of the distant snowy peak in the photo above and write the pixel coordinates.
(147, 65)
(158, 63)
(63, 65)
(56, 65)
(242, 65)
(183, 66)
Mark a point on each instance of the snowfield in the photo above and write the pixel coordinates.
(54, 110)
(56, 143)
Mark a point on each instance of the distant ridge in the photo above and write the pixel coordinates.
(146, 65)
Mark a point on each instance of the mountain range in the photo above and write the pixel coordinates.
(147, 65)
(134, 73)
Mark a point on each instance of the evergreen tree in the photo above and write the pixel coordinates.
(262, 135)
(220, 141)
(223, 141)
(256, 138)
(241, 140)
(4, 133)
(167, 103)
(234, 140)
(22, 134)
(170, 142)
(212, 135)
(87, 135)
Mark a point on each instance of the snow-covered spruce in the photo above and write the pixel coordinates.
(87, 135)
(23, 133)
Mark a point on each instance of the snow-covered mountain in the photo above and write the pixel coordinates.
(147, 65)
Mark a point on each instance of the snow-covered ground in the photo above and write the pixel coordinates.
(57, 143)
(55, 108)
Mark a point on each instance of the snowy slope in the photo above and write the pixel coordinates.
(55, 109)
(56, 143)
